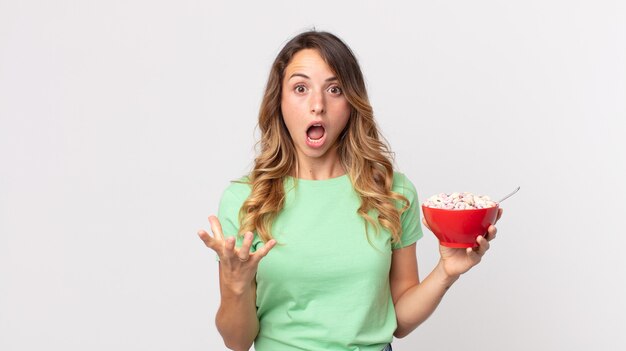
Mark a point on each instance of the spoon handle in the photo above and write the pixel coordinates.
(511, 194)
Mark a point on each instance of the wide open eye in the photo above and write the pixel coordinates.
(299, 89)
(335, 90)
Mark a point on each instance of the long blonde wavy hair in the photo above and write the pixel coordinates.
(363, 151)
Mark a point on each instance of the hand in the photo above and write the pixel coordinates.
(456, 261)
(238, 267)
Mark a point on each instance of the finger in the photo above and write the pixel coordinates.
(229, 247)
(244, 251)
(208, 241)
(262, 252)
(216, 227)
(472, 253)
(426, 223)
(483, 245)
(491, 232)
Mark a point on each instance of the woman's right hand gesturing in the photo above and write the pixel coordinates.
(237, 266)
(236, 319)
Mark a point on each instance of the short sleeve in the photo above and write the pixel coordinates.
(410, 219)
(228, 213)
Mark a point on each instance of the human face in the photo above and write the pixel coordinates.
(314, 107)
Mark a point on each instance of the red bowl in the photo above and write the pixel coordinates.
(459, 228)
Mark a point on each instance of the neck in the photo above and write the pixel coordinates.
(319, 168)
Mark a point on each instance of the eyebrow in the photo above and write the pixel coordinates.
(333, 78)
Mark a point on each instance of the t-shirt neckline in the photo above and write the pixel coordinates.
(320, 182)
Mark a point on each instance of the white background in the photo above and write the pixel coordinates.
(121, 122)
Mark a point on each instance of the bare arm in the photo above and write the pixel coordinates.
(413, 301)
(236, 318)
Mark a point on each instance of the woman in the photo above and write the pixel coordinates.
(317, 244)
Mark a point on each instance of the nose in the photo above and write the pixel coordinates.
(317, 103)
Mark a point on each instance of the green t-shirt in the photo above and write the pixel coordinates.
(324, 286)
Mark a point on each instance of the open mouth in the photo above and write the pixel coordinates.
(315, 134)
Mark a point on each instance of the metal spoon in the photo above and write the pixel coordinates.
(511, 194)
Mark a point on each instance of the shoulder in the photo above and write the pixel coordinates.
(403, 185)
(237, 190)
